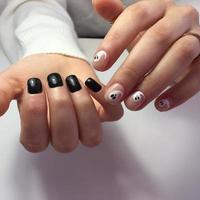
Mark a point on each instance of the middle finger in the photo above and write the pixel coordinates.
(149, 50)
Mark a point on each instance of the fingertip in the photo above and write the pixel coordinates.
(101, 60)
(163, 104)
(4, 102)
(108, 9)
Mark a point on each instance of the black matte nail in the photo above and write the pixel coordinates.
(73, 83)
(34, 86)
(93, 85)
(54, 80)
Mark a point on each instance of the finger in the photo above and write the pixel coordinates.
(108, 9)
(127, 26)
(149, 50)
(182, 91)
(90, 131)
(63, 122)
(106, 111)
(33, 113)
(10, 89)
(176, 61)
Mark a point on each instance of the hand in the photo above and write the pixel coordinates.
(51, 111)
(162, 54)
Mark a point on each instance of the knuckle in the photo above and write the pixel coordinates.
(188, 49)
(132, 73)
(85, 101)
(34, 108)
(190, 11)
(150, 82)
(61, 101)
(162, 34)
(112, 38)
(139, 9)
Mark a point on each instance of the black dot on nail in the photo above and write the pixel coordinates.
(113, 96)
(137, 98)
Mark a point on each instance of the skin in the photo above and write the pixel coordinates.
(160, 55)
(56, 116)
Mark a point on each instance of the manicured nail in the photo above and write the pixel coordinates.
(54, 80)
(137, 99)
(93, 85)
(114, 93)
(100, 59)
(164, 104)
(34, 86)
(73, 83)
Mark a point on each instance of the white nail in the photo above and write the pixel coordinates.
(115, 95)
(101, 55)
(138, 97)
(164, 104)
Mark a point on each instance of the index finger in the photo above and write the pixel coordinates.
(135, 19)
(107, 112)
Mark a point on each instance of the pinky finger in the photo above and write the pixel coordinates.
(107, 112)
(181, 92)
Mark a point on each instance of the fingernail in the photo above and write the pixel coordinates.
(164, 104)
(114, 93)
(93, 85)
(73, 83)
(137, 99)
(100, 59)
(34, 86)
(54, 80)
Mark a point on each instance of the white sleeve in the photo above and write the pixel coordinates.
(37, 26)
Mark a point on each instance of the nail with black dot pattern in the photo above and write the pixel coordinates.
(138, 97)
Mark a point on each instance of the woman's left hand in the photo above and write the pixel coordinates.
(164, 44)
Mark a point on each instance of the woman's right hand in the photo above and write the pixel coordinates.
(54, 108)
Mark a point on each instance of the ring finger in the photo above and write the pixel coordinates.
(90, 130)
(149, 50)
(63, 122)
(33, 113)
(176, 61)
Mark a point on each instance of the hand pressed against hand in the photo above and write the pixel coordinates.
(163, 57)
(54, 108)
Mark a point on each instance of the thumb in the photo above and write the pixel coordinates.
(8, 90)
(108, 9)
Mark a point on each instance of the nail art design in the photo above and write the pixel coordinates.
(164, 104)
(73, 83)
(138, 97)
(54, 80)
(115, 95)
(101, 55)
(100, 59)
(34, 86)
(93, 85)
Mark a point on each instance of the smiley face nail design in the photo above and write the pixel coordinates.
(138, 97)
(164, 104)
(100, 56)
(115, 96)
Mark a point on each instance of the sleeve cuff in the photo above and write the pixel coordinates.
(59, 40)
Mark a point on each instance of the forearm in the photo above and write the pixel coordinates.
(32, 27)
